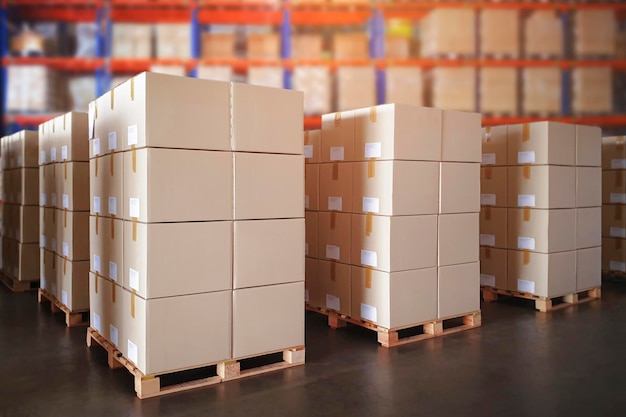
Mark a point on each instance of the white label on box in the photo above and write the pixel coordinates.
(91, 117)
(306, 295)
(335, 203)
(369, 312)
(617, 266)
(43, 282)
(526, 200)
(96, 147)
(53, 289)
(114, 335)
(333, 252)
(112, 140)
(306, 248)
(526, 157)
(132, 352)
(42, 241)
(489, 159)
(306, 202)
(308, 151)
(487, 240)
(54, 199)
(96, 204)
(44, 199)
(96, 322)
(488, 280)
(96, 264)
(20, 161)
(54, 244)
(113, 205)
(373, 150)
(53, 154)
(113, 271)
(133, 207)
(371, 205)
(369, 258)
(333, 302)
(618, 163)
(133, 279)
(618, 232)
(527, 243)
(63, 153)
(42, 157)
(66, 201)
(66, 250)
(487, 199)
(64, 297)
(336, 153)
(525, 286)
(132, 135)
(618, 198)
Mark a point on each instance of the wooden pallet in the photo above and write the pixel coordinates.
(72, 318)
(393, 337)
(148, 386)
(544, 304)
(618, 275)
(18, 286)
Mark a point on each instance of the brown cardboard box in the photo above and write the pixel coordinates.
(100, 304)
(494, 186)
(48, 228)
(73, 185)
(614, 254)
(316, 84)
(393, 244)
(334, 236)
(356, 87)
(24, 260)
(173, 40)
(614, 187)
(588, 227)
(543, 31)
(71, 143)
(545, 275)
(218, 45)
(153, 194)
(311, 230)
(336, 186)
(438, 39)
(498, 93)
(311, 187)
(132, 40)
(500, 33)
(595, 32)
(73, 235)
(338, 136)
(614, 152)
(453, 88)
(271, 129)
(313, 146)
(267, 186)
(588, 186)
(461, 137)
(458, 289)
(106, 237)
(335, 287)
(459, 188)
(22, 150)
(404, 85)
(592, 90)
(255, 263)
(458, 238)
(73, 284)
(306, 46)
(541, 90)
(542, 143)
(106, 185)
(21, 223)
(153, 338)
(588, 146)
(588, 268)
(47, 270)
(544, 187)
(493, 227)
(312, 295)
(396, 299)
(493, 267)
(263, 46)
(544, 231)
(350, 46)
(198, 255)
(397, 47)
(398, 131)
(277, 304)
(614, 221)
(389, 187)
(48, 183)
(107, 127)
(98, 244)
(494, 145)
(24, 186)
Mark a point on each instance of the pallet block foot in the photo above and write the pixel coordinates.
(229, 369)
(294, 356)
(387, 338)
(335, 322)
(489, 296)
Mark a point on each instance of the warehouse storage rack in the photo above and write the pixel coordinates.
(285, 15)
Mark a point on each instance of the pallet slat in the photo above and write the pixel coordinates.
(18, 286)
(72, 318)
(545, 304)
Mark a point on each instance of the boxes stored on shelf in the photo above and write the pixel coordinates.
(72, 234)
(263, 46)
(82, 89)
(458, 289)
(334, 283)
(614, 254)
(592, 90)
(459, 187)
(215, 72)
(588, 268)
(500, 33)
(311, 238)
(588, 146)
(613, 189)
(545, 275)
(266, 76)
(397, 47)
(498, 93)
(218, 45)
(453, 88)
(350, 46)
(312, 146)
(33, 88)
(543, 34)
(315, 83)
(614, 220)
(457, 239)
(595, 33)
(20, 222)
(336, 192)
(178, 70)
(131, 40)
(588, 194)
(494, 186)
(588, 227)
(20, 150)
(494, 227)
(404, 85)
(173, 40)
(72, 283)
(542, 186)
(306, 46)
(438, 38)
(494, 145)
(541, 90)
(544, 231)
(493, 267)
(356, 87)
(311, 187)
(614, 152)
(542, 143)
(334, 237)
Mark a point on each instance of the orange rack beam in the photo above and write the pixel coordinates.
(59, 63)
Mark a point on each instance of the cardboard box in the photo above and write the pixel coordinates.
(266, 76)
(500, 33)
(461, 137)
(614, 221)
(198, 254)
(312, 146)
(588, 146)
(215, 72)
(106, 123)
(404, 85)
(356, 87)
(588, 268)
(350, 46)
(544, 275)
(306, 46)
(338, 136)
(397, 47)
(22, 186)
(48, 184)
(398, 131)
(73, 186)
(458, 290)
(544, 231)
(541, 90)
(614, 254)
(595, 33)
(263, 46)
(453, 88)
(543, 32)
(20, 260)
(494, 186)
(73, 235)
(543, 187)
(316, 84)
(311, 187)
(613, 187)
(154, 339)
(48, 272)
(20, 150)
(459, 188)
(311, 230)
(588, 227)
(202, 184)
(173, 40)
(498, 91)
(458, 238)
(438, 39)
(336, 182)
(588, 186)
(106, 185)
(267, 186)
(70, 142)
(312, 295)
(542, 143)
(47, 228)
(277, 304)
(21, 223)
(389, 187)
(334, 237)
(592, 90)
(73, 284)
(335, 287)
(100, 290)
(218, 45)
(393, 244)
(106, 237)
(614, 152)
(494, 146)
(397, 299)
(132, 40)
(493, 227)
(493, 267)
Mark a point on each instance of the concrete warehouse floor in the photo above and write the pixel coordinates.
(520, 363)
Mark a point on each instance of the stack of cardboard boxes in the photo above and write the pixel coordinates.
(64, 209)
(540, 219)
(453, 88)
(382, 246)
(20, 214)
(595, 33)
(439, 39)
(542, 89)
(196, 211)
(614, 204)
(592, 90)
(543, 34)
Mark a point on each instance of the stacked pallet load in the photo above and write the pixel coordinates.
(614, 206)
(64, 216)
(540, 220)
(196, 211)
(394, 242)
(20, 212)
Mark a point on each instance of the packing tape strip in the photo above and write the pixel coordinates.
(113, 294)
(335, 171)
(54, 262)
(54, 217)
(487, 252)
(619, 142)
(525, 132)
(64, 120)
(487, 213)
(526, 171)
(112, 165)
(53, 126)
(54, 171)
(112, 98)
(337, 119)
(368, 277)
(65, 218)
(132, 89)
(97, 279)
(333, 271)
(96, 162)
(113, 228)
(373, 114)
(526, 215)
(64, 265)
(526, 257)
(619, 178)
(132, 303)
(65, 171)
(618, 212)
(487, 134)
(97, 228)
(306, 137)
(371, 168)
(488, 173)
(333, 220)
(134, 229)
(133, 151)
(369, 224)
(95, 109)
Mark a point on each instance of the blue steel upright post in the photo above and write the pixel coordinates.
(377, 51)
(195, 37)
(285, 42)
(4, 45)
